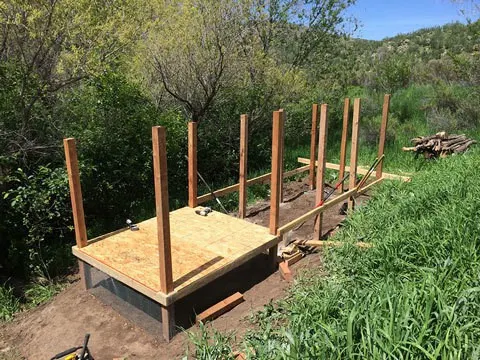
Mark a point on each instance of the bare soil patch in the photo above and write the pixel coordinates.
(119, 330)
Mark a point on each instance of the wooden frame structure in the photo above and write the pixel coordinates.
(178, 252)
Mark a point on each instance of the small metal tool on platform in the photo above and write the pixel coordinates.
(204, 212)
(132, 226)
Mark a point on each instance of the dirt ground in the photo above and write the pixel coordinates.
(118, 330)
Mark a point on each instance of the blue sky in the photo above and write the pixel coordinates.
(380, 19)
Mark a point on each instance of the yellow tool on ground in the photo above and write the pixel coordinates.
(71, 354)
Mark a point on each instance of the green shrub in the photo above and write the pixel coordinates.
(40, 216)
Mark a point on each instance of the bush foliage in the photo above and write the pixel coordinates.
(106, 74)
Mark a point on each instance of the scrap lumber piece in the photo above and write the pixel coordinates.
(441, 144)
(285, 271)
(238, 355)
(294, 259)
(220, 308)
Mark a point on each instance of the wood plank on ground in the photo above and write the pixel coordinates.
(360, 170)
(220, 308)
(285, 271)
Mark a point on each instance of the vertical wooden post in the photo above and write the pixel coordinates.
(322, 158)
(343, 145)
(282, 153)
(354, 151)
(383, 134)
(192, 164)
(77, 206)
(85, 275)
(275, 182)
(242, 197)
(162, 208)
(163, 226)
(168, 322)
(313, 142)
(75, 192)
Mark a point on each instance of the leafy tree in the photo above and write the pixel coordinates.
(48, 45)
(198, 48)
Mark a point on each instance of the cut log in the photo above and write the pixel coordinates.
(439, 145)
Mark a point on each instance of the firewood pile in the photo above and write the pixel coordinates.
(441, 144)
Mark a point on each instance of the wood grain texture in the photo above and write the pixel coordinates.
(276, 165)
(294, 259)
(360, 170)
(343, 144)
(75, 191)
(383, 134)
(203, 248)
(168, 322)
(322, 159)
(354, 150)
(282, 154)
(162, 208)
(220, 308)
(192, 164)
(242, 196)
(285, 272)
(85, 275)
(313, 146)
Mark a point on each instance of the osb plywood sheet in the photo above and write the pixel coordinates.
(201, 246)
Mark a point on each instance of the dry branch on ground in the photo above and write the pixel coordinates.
(441, 144)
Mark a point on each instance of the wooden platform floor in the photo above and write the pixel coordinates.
(203, 248)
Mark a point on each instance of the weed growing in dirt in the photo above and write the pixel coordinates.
(34, 295)
(9, 304)
(38, 293)
(210, 344)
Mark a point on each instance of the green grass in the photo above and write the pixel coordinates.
(38, 293)
(34, 295)
(9, 304)
(210, 344)
(415, 295)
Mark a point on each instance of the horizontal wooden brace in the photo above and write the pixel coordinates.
(262, 179)
(360, 170)
(354, 192)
